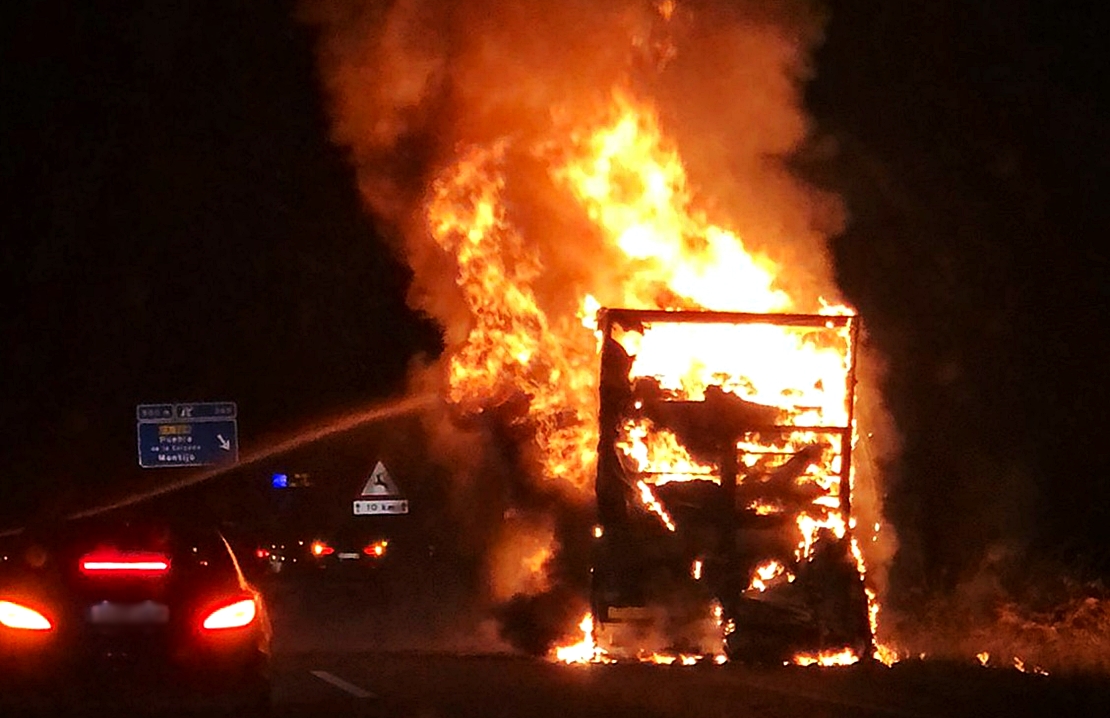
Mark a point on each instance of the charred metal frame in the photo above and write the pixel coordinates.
(613, 491)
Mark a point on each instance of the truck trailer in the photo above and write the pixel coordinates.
(723, 487)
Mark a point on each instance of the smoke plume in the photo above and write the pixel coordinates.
(412, 81)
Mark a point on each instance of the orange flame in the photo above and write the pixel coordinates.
(519, 351)
(654, 506)
(633, 186)
(584, 651)
(767, 573)
(513, 349)
(843, 657)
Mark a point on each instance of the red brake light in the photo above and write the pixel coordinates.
(124, 563)
(234, 615)
(376, 549)
(262, 553)
(319, 548)
(13, 615)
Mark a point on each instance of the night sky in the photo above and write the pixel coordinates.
(183, 230)
(179, 226)
(974, 161)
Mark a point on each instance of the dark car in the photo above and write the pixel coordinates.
(350, 550)
(138, 612)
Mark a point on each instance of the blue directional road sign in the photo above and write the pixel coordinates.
(188, 434)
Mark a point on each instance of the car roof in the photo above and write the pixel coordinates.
(143, 529)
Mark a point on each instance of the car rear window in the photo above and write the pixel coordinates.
(188, 547)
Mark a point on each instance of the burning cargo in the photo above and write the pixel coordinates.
(724, 484)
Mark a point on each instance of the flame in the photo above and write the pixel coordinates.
(809, 527)
(843, 657)
(718, 614)
(633, 186)
(654, 506)
(658, 456)
(585, 650)
(513, 348)
(766, 574)
(764, 508)
(536, 562)
(783, 366)
(669, 659)
(523, 355)
(884, 653)
(521, 560)
(1020, 665)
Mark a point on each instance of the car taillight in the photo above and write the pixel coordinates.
(319, 548)
(14, 615)
(124, 563)
(234, 615)
(262, 553)
(376, 549)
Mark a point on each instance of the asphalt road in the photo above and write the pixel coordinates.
(351, 649)
(398, 650)
(436, 685)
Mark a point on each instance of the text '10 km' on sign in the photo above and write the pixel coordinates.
(380, 495)
(187, 434)
(381, 506)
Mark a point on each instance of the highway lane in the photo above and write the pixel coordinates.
(379, 648)
(437, 685)
(339, 684)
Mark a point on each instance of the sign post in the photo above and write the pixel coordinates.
(380, 495)
(187, 434)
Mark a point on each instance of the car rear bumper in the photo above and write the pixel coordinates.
(64, 679)
(361, 566)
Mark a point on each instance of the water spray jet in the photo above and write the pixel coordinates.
(322, 430)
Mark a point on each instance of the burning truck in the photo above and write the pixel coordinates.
(537, 163)
(723, 488)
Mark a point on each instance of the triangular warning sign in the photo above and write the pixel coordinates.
(380, 483)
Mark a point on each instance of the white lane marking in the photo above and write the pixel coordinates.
(342, 684)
